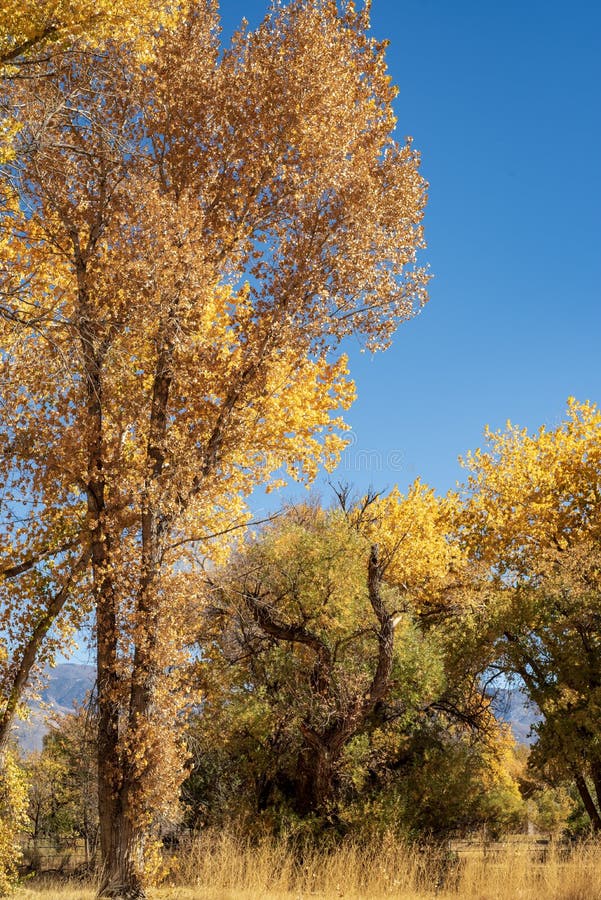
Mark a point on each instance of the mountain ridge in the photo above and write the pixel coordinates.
(68, 685)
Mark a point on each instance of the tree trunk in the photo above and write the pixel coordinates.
(589, 803)
(123, 858)
(120, 863)
(315, 781)
(121, 838)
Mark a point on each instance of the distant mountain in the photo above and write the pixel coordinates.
(68, 684)
(511, 705)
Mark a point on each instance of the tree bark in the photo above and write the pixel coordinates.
(315, 780)
(589, 803)
(122, 874)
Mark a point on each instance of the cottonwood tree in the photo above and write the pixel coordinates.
(534, 517)
(302, 658)
(195, 236)
(317, 661)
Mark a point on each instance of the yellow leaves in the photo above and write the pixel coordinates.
(413, 533)
(26, 28)
(13, 807)
(9, 129)
(539, 492)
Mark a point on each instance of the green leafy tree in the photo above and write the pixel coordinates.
(63, 793)
(324, 659)
(306, 606)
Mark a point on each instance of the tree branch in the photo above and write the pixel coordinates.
(28, 564)
(380, 681)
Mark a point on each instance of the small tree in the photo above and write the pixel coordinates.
(63, 793)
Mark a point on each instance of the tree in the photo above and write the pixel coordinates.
(307, 609)
(63, 792)
(322, 660)
(196, 234)
(534, 516)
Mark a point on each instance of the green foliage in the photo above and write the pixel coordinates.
(63, 792)
(412, 763)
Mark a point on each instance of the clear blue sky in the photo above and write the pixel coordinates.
(502, 99)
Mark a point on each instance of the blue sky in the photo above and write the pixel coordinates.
(502, 100)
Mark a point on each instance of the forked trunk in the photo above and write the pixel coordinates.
(122, 832)
(122, 839)
(121, 844)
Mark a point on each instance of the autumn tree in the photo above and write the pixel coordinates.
(194, 237)
(325, 662)
(305, 608)
(534, 517)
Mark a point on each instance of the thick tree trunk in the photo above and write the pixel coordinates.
(122, 873)
(121, 867)
(123, 832)
(315, 781)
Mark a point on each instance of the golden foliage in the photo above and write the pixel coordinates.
(13, 806)
(196, 233)
(28, 29)
(533, 496)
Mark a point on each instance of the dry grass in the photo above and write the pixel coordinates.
(226, 868)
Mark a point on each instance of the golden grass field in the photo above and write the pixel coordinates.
(231, 869)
